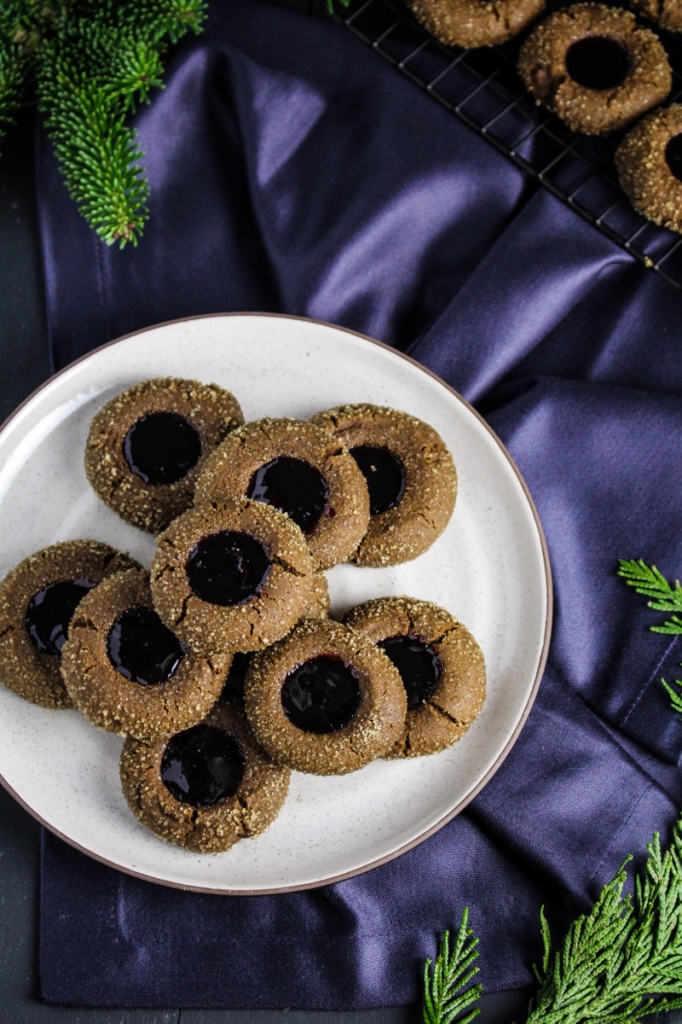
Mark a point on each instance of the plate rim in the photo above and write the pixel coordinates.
(549, 607)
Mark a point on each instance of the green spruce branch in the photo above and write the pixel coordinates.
(663, 597)
(618, 963)
(91, 63)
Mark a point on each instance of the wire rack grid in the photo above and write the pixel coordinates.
(483, 89)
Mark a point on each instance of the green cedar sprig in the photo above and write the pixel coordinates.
(618, 963)
(648, 581)
(623, 960)
(445, 981)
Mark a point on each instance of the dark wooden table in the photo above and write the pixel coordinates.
(24, 365)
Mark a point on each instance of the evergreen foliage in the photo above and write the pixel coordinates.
(90, 63)
(618, 963)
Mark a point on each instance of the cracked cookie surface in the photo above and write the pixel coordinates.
(160, 687)
(442, 668)
(244, 811)
(300, 469)
(595, 67)
(411, 477)
(472, 23)
(273, 588)
(147, 445)
(37, 601)
(351, 728)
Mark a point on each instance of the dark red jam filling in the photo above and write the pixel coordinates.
(142, 649)
(227, 568)
(236, 677)
(202, 766)
(292, 486)
(50, 611)
(385, 476)
(673, 156)
(418, 664)
(162, 447)
(321, 695)
(597, 62)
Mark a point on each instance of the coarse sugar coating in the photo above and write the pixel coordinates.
(269, 608)
(472, 23)
(595, 67)
(135, 703)
(666, 13)
(215, 827)
(411, 476)
(377, 717)
(49, 582)
(441, 713)
(644, 161)
(147, 445)
(319, 484)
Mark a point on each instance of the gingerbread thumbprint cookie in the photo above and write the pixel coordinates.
(440, 664)
(38, 599)
(299, 469)
(595, 67)
(324, 700)
(127, 672)
(147, 445)
(410, 475)
(232, 576)
(472, 23)
(649, 164)
(204, 788)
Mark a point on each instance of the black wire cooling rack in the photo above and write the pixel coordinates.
(482, 88)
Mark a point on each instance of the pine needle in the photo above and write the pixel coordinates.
(648, 581)
(445, 981)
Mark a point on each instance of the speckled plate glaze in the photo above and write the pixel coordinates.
(489, 568)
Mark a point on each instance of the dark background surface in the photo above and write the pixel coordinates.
(24, 365)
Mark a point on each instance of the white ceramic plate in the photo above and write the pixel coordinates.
(489, 568)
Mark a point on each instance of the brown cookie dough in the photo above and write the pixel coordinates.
(595, 67)
(649, 164)
(147, 446)
(666, 13)
(37, 601)
(324, 700)
(411, 477)
(220, 786)
(300, 469)
(472, 23)
(440, 663)
(231, 576)
(127, 672)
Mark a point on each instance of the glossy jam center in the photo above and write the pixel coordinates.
(162, 447)
(50, 611)
(673, 156)
(293, 486)
(227, 568)
(418, 664)
(321, 695)
(597, 62)
(202, 766)
(142, 649)
(384, 474)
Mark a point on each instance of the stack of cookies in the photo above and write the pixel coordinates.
(220, 666)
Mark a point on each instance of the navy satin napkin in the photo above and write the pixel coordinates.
(292, 170)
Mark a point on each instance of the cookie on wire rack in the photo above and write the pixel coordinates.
(595, 67)
(474, 23)
(649, 165)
